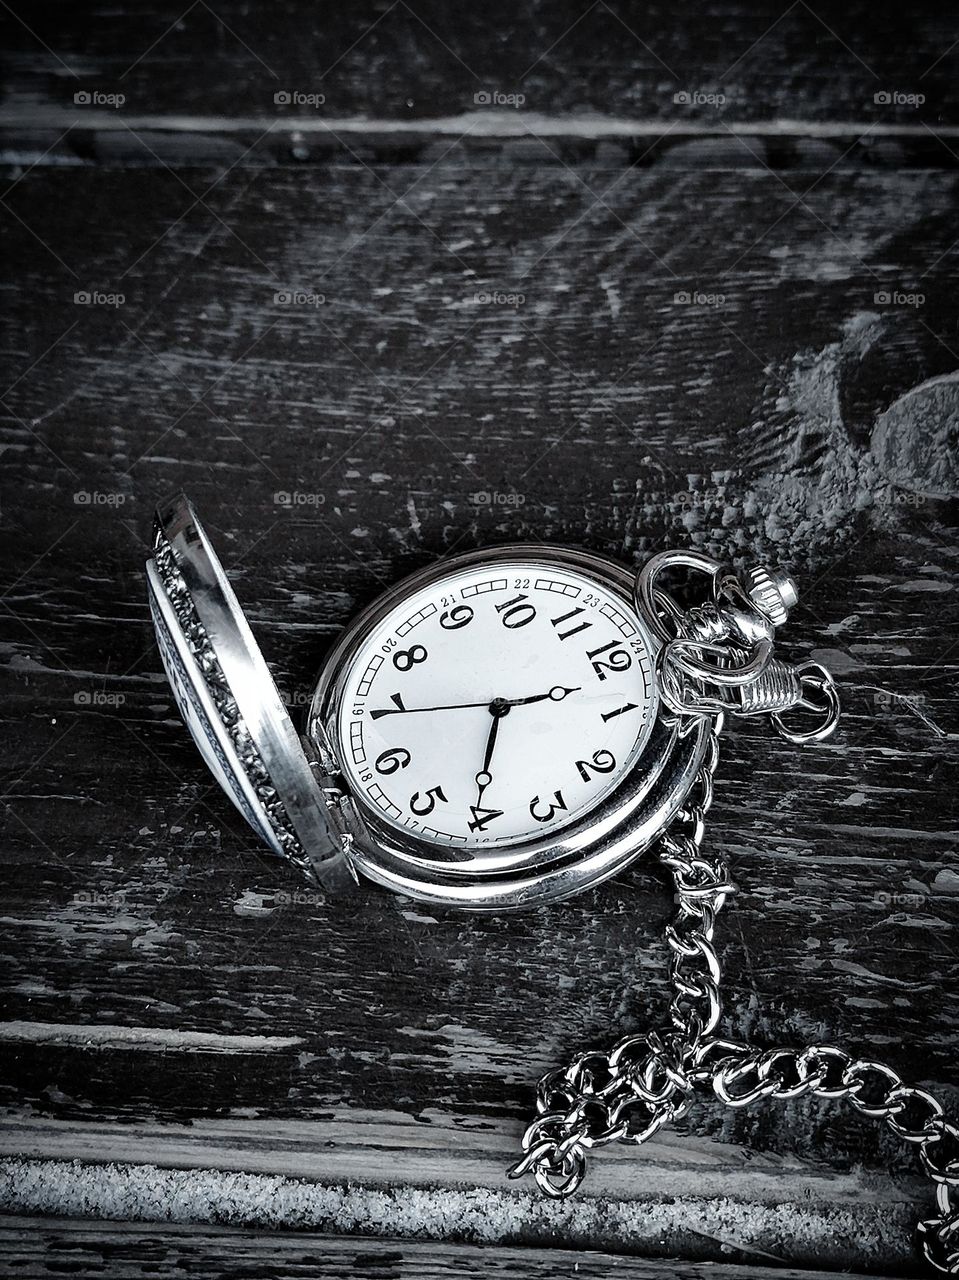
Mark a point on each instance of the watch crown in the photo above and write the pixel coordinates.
(772, 591)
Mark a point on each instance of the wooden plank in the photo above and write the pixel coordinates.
(798, 419)
(403, 61)
(56, 136)
(442, 1149)
(698, 1227)
(41, 1247)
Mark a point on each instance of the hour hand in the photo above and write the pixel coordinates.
(556, 694)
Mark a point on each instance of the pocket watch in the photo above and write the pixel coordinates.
(509, 727)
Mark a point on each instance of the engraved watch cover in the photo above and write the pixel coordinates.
(230, 702)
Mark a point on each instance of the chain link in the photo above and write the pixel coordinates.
(648, 1081)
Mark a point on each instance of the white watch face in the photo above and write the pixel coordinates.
(496, 705)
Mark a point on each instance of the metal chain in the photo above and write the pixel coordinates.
(647, 1081)
(741, 1074)
(644, 1082)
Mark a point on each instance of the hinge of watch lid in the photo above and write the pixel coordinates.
(335, 797)
(344, 814)
(320, 756)
(718, 655)
(325, 770)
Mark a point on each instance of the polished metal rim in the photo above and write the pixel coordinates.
(534, 871)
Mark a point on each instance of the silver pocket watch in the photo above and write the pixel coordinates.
(499, 730)
(504, 729)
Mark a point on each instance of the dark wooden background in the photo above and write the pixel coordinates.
(189, 1035)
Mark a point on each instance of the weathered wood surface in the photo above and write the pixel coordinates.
(42, 1248)
(439, 1177)
(797, 419)
(408, 61)
(58, 137)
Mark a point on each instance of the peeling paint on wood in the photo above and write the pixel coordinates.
(118, 1037)
(695, 1228)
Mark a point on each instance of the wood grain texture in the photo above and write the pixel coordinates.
(56, 136)
(416, 59)
(39, 1248)
(791, 1222)
(786, 413)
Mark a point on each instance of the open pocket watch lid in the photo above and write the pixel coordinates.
(230, 702)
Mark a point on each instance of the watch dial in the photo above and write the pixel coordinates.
(496, 705)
